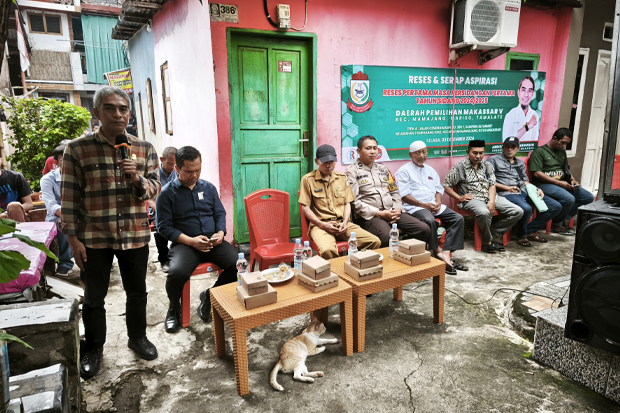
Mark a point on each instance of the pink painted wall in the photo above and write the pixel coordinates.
(181, 37)
(407, 33)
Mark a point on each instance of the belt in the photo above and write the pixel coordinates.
(331, 220)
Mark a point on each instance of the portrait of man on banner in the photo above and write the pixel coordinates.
(523, 121)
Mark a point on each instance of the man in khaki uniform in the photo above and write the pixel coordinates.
(325, 197)
(377, 201)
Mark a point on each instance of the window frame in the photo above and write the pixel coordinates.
(43, 15)
(534, 57)
(166, 97)
(149, 103)
(605, 26)
(585, 51)
(142, 131)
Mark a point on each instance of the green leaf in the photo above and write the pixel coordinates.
(8, 338)
(11, 264)
(8, 222)
(38, 245)
(6, 229)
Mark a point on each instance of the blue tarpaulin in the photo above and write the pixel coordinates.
(103, 54)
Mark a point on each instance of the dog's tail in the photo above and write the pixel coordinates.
(274, 375)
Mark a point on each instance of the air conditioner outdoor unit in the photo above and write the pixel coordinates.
(485, 24)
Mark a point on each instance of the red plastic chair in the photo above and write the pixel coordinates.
(268, 215)
(201, 269)
(342, 246)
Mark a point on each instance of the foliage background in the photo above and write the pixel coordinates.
(39, 125)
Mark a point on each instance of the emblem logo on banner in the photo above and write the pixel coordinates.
(360, 93)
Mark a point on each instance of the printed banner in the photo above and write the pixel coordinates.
(120, 78)
(399, 105)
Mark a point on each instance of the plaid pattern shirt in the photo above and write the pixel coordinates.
(469, 180)
(98, 204)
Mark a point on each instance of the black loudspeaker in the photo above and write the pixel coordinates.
(594, 301)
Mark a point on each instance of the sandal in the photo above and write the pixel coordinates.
(460, 267)
(499, 247)
(450, 271)
(536, 238)
(524, 242)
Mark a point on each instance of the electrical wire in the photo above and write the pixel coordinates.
(305, 21)
(496, 291)
(268, 16)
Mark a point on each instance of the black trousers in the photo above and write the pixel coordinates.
(96, 279)
(451, 221)
(184, 260)
(409, 227)
(162, 248)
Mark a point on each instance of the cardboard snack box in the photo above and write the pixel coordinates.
(365, 274)
(366, 259)
(412, 259)
(253, 301)
(316, 268)
(411, 246)
(318, 285)
(254, 283)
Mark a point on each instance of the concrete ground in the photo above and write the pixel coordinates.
(472, 363)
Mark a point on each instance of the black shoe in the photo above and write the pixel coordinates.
(90, 363)
(489, 248)
(204, 309)
(143, 348)
(499, 247)
(172, 321)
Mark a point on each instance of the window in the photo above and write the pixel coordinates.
(63, 97)
(575, 114)
(141, 116)
(149, 102)
(608, 32)
(44, 23)
(522, 61)
(165, 85)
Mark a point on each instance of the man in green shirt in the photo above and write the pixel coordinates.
(548, 165)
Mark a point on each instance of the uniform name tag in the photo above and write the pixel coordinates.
(201, 195)
(318, 190)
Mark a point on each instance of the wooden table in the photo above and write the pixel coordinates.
(395, 275)
(292, 300)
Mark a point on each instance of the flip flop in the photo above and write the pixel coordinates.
(537, 238)
(524, 242)
(460, 267)
(450, 271)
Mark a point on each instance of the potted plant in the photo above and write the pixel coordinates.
(4, 367)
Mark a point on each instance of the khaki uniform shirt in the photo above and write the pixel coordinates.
(327, 199)
(374, 189)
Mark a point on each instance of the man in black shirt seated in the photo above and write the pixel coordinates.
(15, 199)
(191, 215)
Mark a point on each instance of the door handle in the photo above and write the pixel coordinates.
(305, 141)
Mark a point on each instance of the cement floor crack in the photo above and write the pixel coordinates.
(415, 350)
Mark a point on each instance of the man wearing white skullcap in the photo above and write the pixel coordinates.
(421, 192)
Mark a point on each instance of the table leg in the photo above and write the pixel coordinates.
(439, 284)
(398, 293)
(346, 326)
(218, 333)
(322, 314)
(240, 355)
(359, 322)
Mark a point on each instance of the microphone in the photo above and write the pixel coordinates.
(122, 144)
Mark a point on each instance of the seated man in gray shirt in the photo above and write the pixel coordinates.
(475, 182)
(511, 179)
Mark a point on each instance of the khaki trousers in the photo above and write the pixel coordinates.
(326, 242)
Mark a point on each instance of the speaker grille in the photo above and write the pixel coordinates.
(485, 20)
(599, 239)
(458, 34)
(598, 301)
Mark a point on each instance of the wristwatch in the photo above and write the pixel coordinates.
(527, 129)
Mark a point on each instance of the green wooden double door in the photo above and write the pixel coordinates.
(271, 120)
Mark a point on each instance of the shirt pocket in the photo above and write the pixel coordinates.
(99, 177)
(339, 196)
(320, 200)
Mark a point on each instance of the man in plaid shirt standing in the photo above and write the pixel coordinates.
(103, 216)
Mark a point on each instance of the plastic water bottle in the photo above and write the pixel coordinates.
(307, 250)
(299, 255)
(242, 267)
(352, 245)
(393, 240)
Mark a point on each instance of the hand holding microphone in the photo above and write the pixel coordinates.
(127, 166)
